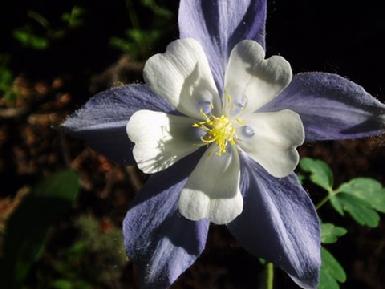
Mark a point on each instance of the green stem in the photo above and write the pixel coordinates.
(322, 202)
(269, 275)
(39, 19)
(331, 193)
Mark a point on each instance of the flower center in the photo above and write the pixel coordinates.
(219, 130)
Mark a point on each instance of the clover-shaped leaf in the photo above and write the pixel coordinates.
(330, 233)
(362, 198)
(332, 273)
(368, 190)
(320, 172)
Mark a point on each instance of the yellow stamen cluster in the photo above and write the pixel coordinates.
(218, 130)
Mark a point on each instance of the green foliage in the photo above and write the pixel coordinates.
(6, 89)
(74, 18)
(137, 41)
(332, 272)
(156, 9)
(6, 79)
(28, 37)
(360, 210)
(337, 205)
(106, 246)
(103, 248)
(28, 228)
(320, 172)
(262, 261)
(366, 189)
(361, 198)
(61, 284)
(330, 233)
(70, 284)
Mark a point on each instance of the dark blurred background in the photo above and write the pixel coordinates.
(54, 55)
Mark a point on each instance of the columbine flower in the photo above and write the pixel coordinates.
(228, 124)
(217, 126)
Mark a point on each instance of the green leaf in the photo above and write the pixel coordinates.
(361, 198)
(336, 204)
(74, 18)
(38, 42)
(327, 281)
(6, 88)
(320, 172)
(332, 272)
(6, 79)
(360, 211)
(28, 39)
(262, 261)
(366, 189)
(62, 284)
(137, 42)
(330, 233)
(64, 185)
(29, 226)
(158, 10)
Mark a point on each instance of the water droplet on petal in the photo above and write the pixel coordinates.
(247, 131)
(205, 106)
(237, 105)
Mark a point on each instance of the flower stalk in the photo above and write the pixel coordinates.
(269, 275)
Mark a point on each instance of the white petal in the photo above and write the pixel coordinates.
(250, 80)
(271, 139)
(212, 190)
(182, 76)
(160, 139)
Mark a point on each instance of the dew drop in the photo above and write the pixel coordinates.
(205, 106)
(238, 104)
(247, 131)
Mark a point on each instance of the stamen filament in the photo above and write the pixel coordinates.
(218, 130)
